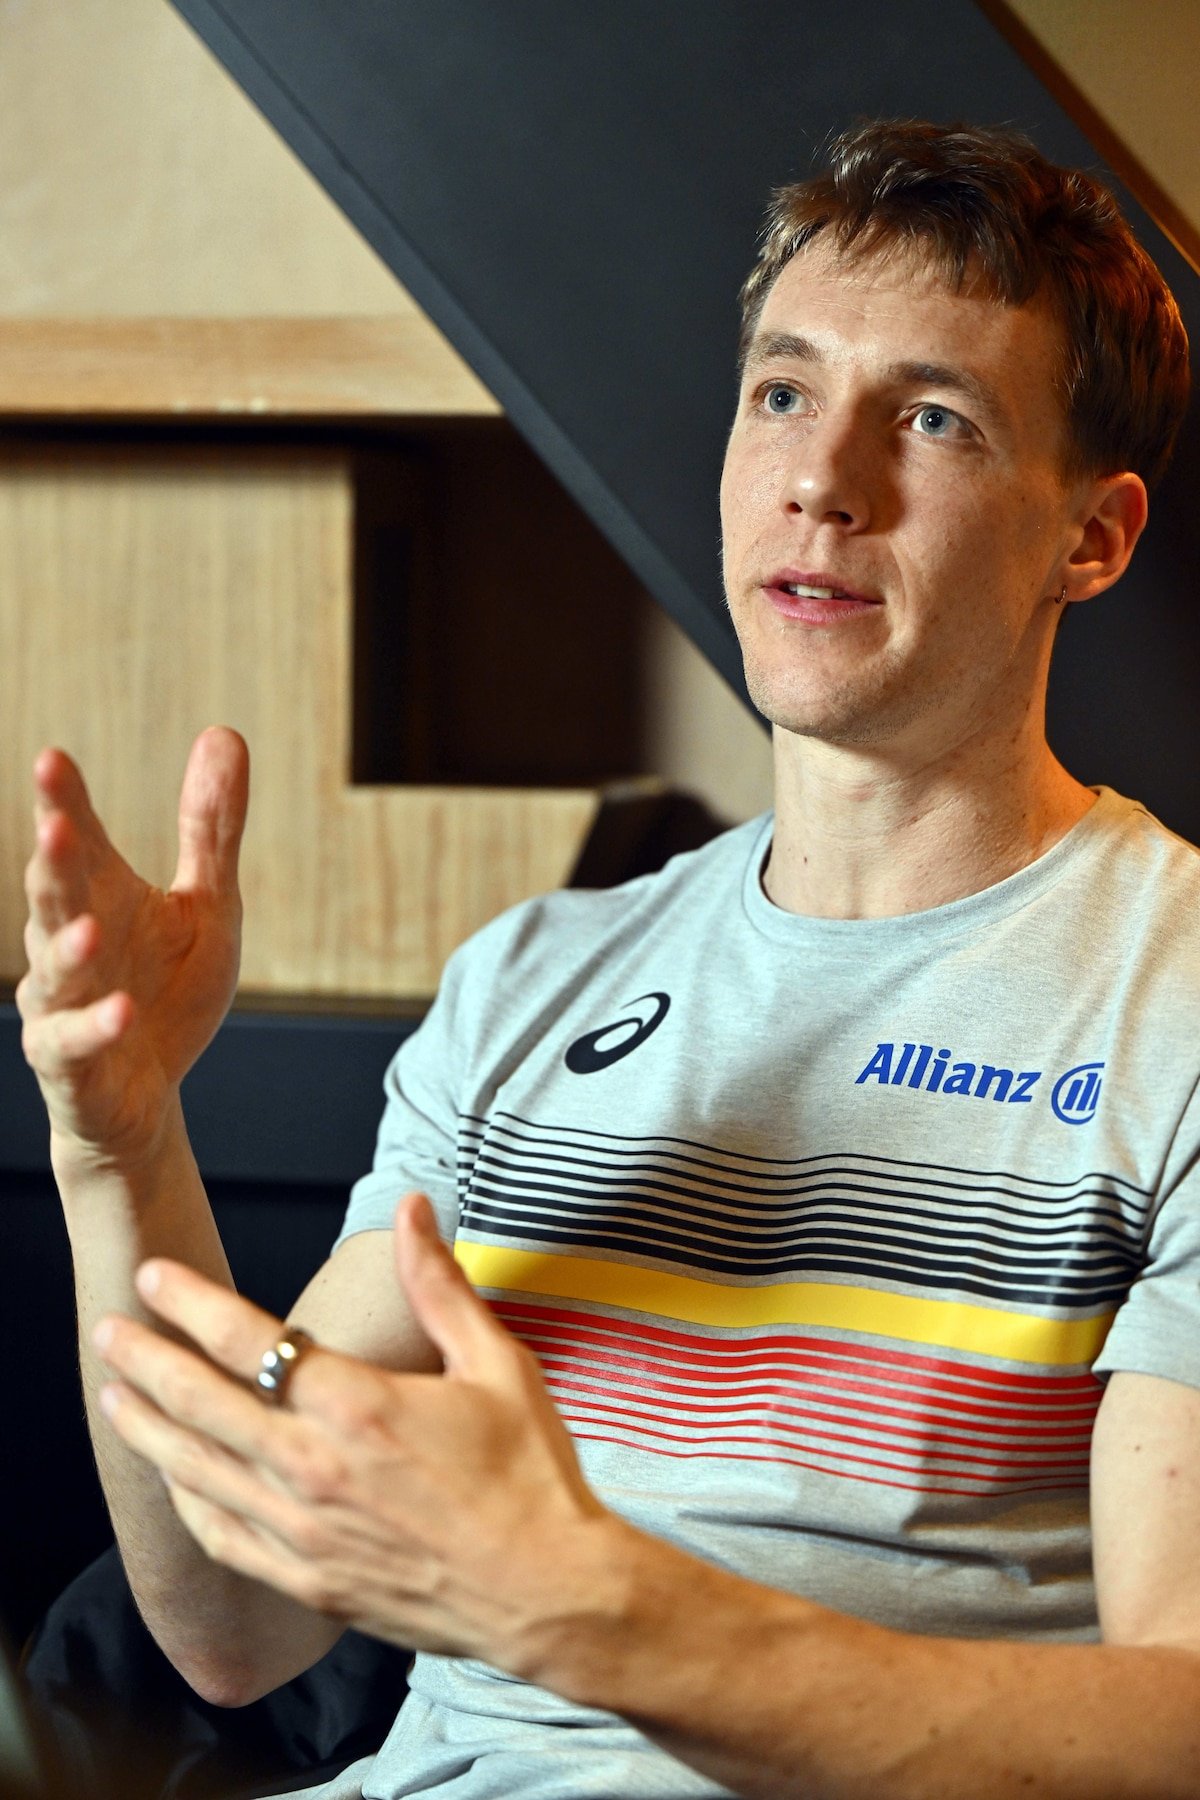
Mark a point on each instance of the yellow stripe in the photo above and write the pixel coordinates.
(949, 1324)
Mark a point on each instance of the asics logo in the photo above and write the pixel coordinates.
(609, 1043)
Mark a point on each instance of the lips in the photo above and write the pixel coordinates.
(819, 585)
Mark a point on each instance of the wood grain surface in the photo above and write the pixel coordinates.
(144, 596)
(234, 368)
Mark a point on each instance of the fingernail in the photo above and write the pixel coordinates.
(424, 1221)
(110, 1398)
(108, 1012)
(102, 1336)
(148, 1278)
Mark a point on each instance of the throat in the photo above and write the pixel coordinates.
(884, 851)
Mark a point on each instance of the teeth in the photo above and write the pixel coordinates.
(813, 593)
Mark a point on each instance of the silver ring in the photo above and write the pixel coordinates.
(279, 1364)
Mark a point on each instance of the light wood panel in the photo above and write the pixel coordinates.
(162, 251)
(143, 597)
(229, 368)
(137, 179)
(1127, 74)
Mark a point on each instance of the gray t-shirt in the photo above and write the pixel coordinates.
(822, 1230)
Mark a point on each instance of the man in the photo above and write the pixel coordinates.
(817, 1181)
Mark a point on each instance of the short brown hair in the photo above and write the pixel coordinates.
(986, 205)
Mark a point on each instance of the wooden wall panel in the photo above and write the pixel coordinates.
(143, 597)
(1135, 67)
(136, 179)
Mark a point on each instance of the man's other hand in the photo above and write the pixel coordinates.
(126, 983)
(444, 1512)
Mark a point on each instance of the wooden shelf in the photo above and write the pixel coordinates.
(252, 368)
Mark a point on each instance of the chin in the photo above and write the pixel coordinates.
(839, 717)
(864, 708)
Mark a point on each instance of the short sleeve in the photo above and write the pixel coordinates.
(1157, 1329)
(416, 1145)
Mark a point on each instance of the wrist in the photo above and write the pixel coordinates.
(586, 1609)
(654, 1630)
(79, 1162)
(625, 1608)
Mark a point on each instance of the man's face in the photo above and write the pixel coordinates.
(901, 445)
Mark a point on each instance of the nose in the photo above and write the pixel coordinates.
(828, 478)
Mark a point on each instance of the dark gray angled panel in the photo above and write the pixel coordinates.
(572, 193)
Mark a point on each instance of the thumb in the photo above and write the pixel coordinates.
(212, 811)
(442, 1298)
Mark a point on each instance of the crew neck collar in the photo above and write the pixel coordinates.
(933, 923)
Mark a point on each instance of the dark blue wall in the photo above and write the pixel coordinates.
(572, 193)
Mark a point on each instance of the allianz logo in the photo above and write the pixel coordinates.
(1073, 1097)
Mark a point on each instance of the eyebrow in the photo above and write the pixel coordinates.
(786, 345)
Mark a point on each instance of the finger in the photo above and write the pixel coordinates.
(56, 877)
(212, 811)
(199, 1464)
(188, 1391)
(343, 1391)
(58, 1044)
(471, 1339)
(58, 786)
(232, 1331)
(61, 966)
(300, 1452)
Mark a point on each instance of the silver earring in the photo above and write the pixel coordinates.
(1062, 596)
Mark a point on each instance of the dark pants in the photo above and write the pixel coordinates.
(124, 1726)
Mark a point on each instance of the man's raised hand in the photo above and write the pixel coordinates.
(126, 983)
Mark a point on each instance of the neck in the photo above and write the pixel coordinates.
(866, 833)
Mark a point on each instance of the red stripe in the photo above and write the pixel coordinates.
(731, 1383)
(785, 1401)
(799, 1462)
(719, 1374)
(638, 1416)
(1058, 1472)
(585, 1328)
(611, 1367)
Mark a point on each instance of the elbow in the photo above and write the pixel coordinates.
(215, 1676)
(224, 1684)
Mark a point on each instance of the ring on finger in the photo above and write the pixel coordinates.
(279, 1364)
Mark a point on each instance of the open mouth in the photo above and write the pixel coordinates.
(801, 590)
(815, 598)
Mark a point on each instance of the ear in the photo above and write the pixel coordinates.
(1111, 516)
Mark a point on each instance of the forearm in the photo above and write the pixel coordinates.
(116, 1218)
(773, 1696)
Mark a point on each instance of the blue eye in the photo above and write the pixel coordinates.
(780, 398)
(935, 421)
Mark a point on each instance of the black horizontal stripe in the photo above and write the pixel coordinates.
(502, 1173)
(809, 1226)
(1060, 1214)
(500, 1119)
(999, 1237)
(913, 1271)
(841, 1169)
